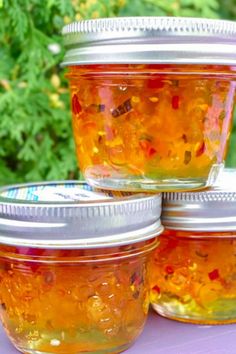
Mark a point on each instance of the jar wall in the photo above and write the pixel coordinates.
(151, 127)
(74, 301)
(193, 277)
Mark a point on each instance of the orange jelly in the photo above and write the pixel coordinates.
(193, 271)
(151, 126)
(194, 279)
(74, 301)
(73, 266)
(151, 99)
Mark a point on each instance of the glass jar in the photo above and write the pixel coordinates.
(73, 267)
(151, 100)
(193, 271)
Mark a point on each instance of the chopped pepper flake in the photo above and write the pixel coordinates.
(214, 274)
(169, 269)
(203, 106)
(136, 279)
(136, 294)
(147, 148)
(132, 287)
(169, 82)
(156, 289)
(101, 133)
(151, 152)
(155, 84)
(96, 108)
(154, 99)
(125, 107)
(201, 254)
(135, 99)
(187, 157)
(185, 139)
(76, 107)
(175, 102)
(147, 137)
(200, 149)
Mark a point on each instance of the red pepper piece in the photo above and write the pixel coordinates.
(175, 102)
(76, 107)
(201, 149)
(214, 274)
(169, 269)
(151, 152)
(155, 84)
(156, 289)
(147, 148)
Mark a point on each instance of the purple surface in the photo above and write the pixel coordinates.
(162, 336)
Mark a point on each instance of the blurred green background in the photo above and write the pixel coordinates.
(35, 123)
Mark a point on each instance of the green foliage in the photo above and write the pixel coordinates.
(194, 8)
(35, 124)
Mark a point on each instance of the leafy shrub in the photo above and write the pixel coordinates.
(35, 124)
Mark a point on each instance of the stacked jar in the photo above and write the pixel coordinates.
(152, 101)
(74, 266)
(193, 272)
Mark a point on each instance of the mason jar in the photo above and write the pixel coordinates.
(193, 272)
(151, 100)
(73, 267)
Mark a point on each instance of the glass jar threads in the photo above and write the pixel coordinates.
(151, 100)
(193, 271)
(73, 267)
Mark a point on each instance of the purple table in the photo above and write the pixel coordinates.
(162, 336)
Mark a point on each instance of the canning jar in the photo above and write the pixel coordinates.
(151, 100)
(73, 267)
(193, 272)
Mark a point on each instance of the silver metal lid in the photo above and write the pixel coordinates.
(211, 210)
(150, 40)
(73, 215)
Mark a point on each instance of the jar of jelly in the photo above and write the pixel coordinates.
(151, 99)
(73, 267)
(193, 272)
